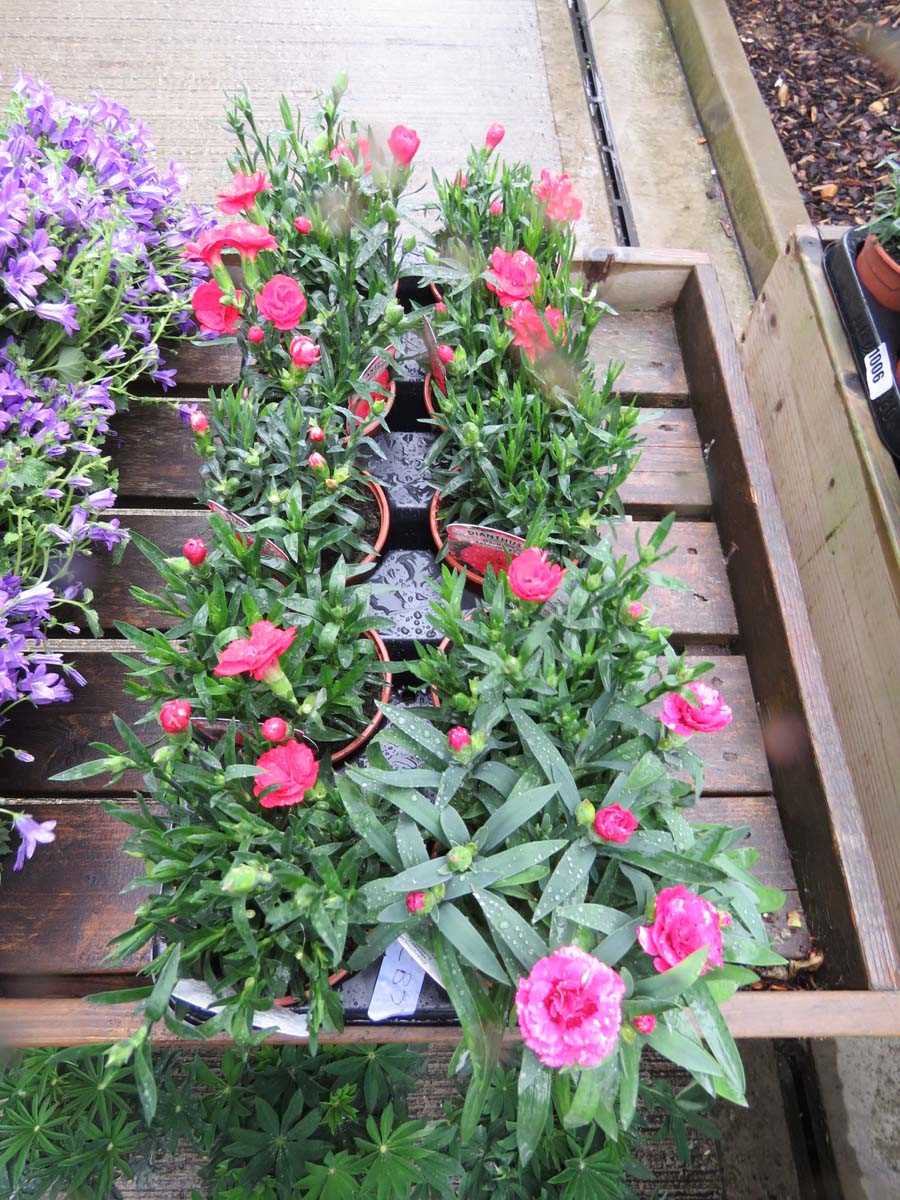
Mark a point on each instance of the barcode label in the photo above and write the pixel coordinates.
(879, 375)
(397, 988)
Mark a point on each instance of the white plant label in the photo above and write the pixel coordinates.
(879, 376)
(422, 957)
(397, 988)
(201, 995)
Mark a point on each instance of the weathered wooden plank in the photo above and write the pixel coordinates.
(75, 886)
(820, 810)
(58, 915)
(60, 735)
(647, 344)
(759, 1013)
(670, 475)
(840, 495)
(701, 611)
(154, 454)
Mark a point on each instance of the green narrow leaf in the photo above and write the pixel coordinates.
(585, 1101)
(410, 846)
(422, 732)
(534, 1105)
(630, 1059)
(546, 755)
(594, 916)
(365, 822)
(571, 870)
(667, 985)
(523, 940)
(121, 996)
(682, 1051)
(718, 1038)
(158, 1000)
(617, 944)
(146, 1084)
(457, 927)
(513, 813)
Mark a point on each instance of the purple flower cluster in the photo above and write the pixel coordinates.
(91, 234)
(54, 490)
(92, 280)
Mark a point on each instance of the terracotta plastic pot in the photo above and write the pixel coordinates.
(212, 730)
(429, 403)
(880, 274)
(384, 526)
(473, 576)
(384, 696)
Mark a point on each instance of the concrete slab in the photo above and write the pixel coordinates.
(674, 192)
(859, 1080)
(448, 68)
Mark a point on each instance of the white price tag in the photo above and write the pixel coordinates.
(879, 372)
(397, 988)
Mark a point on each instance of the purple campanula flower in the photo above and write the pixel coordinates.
(62, 312)
(33, 834)
(45, 687)
(102, 499)
(165, 378)
(108, 532)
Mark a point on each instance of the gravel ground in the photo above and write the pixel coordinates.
(837, 112)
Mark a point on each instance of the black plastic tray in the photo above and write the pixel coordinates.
(873, 333)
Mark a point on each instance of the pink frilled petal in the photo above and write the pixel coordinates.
(645, 939)
(570, 1009)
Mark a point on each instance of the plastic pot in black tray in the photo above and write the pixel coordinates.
(874, 335)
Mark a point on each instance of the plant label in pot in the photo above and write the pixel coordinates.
(480, 546)
(240, 524)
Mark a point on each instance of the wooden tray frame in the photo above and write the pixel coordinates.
(818, 806)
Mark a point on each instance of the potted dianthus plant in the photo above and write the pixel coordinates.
(501, 264)
(250, 648)
(552, 874)
(258, 689)
(314, 217)
(290, 463)
(877, 263)
(537, 463)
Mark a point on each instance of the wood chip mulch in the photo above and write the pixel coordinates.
(836, 109)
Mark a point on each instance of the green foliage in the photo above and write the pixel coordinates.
(256, 465)
(271, 1124)
(332, 666)
(544, 463)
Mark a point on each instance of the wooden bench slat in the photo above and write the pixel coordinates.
(646, 342)
(703, 611)
(155, 456)
(766, 1014)
(60, 735)
(59, 915)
